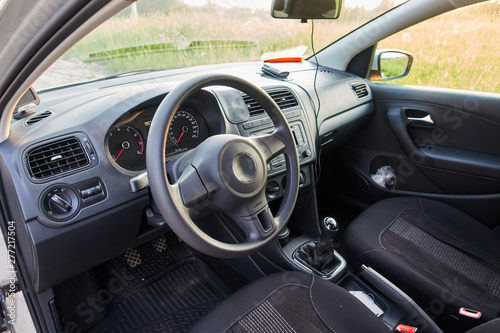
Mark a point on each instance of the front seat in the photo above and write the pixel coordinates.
(290, 302)
(297, 302)
(443, 258)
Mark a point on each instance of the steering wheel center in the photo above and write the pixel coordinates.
(244, 168)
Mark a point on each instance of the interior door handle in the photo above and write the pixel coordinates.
(399, 121)
(426, 119)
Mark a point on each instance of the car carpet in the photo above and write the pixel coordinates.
(171, 303)
(115, 297)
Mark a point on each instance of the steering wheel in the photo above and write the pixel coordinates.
(225, 172)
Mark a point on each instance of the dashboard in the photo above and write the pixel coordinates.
(77, 167)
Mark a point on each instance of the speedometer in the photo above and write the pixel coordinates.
(184, 130)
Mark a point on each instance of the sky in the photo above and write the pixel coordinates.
(266, 4)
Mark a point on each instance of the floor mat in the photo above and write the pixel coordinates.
(171, 303)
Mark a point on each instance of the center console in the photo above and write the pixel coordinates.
(260, 123)
(306, 245)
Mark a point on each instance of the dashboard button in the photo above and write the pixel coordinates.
(85, 194)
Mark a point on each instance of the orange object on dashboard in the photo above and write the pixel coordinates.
(285, 59)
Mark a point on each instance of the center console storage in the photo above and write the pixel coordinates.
(391, 314)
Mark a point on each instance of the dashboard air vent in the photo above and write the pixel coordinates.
(37, 117)
(57, 157)
(284, 98)
(253, 107)
(360, 90)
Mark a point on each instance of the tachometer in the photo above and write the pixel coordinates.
(184, 130)
(126, 147)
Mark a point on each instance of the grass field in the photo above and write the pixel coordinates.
(181, 26)
(457, 50)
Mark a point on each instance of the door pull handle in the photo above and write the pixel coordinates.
(426, 120)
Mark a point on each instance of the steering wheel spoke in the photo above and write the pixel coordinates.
(191, 187)
(269, 145)
(257, 226)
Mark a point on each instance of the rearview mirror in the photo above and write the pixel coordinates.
(390, 65)
(306, 9)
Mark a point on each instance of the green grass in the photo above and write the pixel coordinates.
(392, 67)
(458, 50)
(183, 25)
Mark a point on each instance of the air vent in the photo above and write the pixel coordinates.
(253, 107)
(37, 117)
(360, 90)
(56, 158)
(284, 98)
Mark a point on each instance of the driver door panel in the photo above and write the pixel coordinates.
(442, 144)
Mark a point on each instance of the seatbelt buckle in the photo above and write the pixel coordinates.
(470, 313)
(405, 329)
(469, 318)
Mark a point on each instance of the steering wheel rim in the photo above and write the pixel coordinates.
(197, 169)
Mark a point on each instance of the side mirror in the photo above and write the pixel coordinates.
(306, 9)
(390, 65)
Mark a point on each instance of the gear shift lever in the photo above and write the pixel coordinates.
(329, 228)
(320, 256)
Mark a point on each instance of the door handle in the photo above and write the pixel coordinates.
(399, 121)
(426, 120)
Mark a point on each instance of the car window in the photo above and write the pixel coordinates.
(458, 50)
(162, 34)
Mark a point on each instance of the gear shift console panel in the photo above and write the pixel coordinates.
(320, 257)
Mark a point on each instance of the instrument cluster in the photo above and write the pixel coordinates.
(126, 141)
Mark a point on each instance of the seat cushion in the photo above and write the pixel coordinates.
(443, 258)
(291, 302)
(492, 326)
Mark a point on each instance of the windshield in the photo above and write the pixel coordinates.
(162, 34)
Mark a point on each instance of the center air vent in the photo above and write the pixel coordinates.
(37, 117)
(284, 98)
(56, 158)
(360, 90)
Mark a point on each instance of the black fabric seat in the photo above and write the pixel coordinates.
(297, 302)
(441, 257)
(291, 302)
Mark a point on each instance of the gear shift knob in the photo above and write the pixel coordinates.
(329, 228)
(329, 224)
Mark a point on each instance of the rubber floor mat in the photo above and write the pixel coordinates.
(171, 303)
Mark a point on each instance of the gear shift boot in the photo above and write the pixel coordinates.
(322, 265)
(320, 256)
